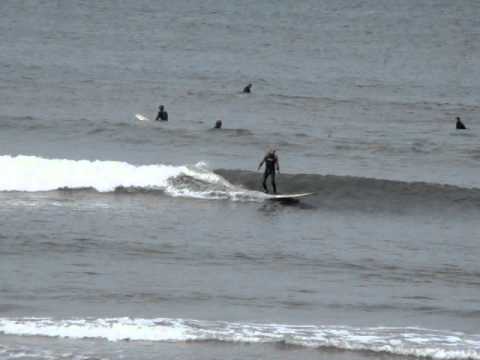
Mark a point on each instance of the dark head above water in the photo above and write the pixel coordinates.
(218, 124)
(247, 89)
(460, 125)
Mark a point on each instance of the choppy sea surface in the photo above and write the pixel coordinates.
(127, 239)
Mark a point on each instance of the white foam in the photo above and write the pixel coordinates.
(32, 174)
(417, 342)
(109, 329)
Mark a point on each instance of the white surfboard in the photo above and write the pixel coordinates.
(287, 196)
(141, 117)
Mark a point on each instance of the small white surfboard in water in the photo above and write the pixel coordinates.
(287, 196)
(141, 117)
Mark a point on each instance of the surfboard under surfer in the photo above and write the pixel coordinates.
(271, 164)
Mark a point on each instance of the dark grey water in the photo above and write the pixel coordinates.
(128, 239)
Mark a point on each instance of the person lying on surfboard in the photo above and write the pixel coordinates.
(271, 163)
(162, 114)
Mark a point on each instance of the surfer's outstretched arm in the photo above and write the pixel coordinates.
(261, 163)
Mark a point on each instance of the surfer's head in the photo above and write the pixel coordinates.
(160, 108)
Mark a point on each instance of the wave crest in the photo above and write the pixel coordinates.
(34, 174)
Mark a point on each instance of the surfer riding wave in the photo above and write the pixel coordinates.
(271, 164)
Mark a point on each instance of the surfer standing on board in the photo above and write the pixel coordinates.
(271, 164)
(162, 114)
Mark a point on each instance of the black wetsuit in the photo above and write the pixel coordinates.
(162, 115)
(460, 125)
(270, 164)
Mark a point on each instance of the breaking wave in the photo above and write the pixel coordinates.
(365, 194)
(34, 174)
(408, 341)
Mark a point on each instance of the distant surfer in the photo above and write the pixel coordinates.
(271, 164)
(162, 114)
(247, 89)
(460, 125)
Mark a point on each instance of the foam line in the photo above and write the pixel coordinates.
(408, 341)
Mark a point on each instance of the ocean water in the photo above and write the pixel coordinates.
(123, 239)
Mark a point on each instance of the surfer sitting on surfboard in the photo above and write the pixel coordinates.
(271, 163)
(460, 125)
(162, 114)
